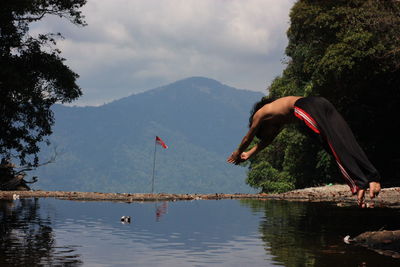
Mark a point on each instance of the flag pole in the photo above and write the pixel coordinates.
(154, 165)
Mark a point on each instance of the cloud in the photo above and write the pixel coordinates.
(130, 46)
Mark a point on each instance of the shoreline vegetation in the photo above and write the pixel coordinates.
(339, 194)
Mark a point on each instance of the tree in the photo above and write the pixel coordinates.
(33, 75)
(349, 52)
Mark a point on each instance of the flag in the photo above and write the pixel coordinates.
(161, 142)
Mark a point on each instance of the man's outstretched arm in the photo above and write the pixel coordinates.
(253, 151)
(246, 141)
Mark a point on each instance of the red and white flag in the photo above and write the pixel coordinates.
(161, 142)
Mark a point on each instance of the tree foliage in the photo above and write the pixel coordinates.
(33, 75)
(349, 52)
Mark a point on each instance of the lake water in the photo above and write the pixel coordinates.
(51, 232)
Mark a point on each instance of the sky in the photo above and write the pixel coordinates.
(130, 46)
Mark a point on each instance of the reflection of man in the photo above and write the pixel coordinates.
(269, 116)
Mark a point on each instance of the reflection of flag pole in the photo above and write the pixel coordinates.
(161, 143)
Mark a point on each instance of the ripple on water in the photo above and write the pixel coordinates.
(216, 233)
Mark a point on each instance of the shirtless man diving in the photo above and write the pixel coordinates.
(270, 116)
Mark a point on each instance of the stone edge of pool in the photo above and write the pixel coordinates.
(340, 194)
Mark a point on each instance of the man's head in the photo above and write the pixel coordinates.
(258, 105)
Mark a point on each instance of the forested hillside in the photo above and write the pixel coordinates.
(110, 148)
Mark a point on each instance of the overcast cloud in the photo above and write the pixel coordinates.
(132, 46)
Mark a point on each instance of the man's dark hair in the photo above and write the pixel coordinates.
(265, 100)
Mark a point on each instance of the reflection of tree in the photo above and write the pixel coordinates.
(278, 231)
(27, 239)
(311, 234)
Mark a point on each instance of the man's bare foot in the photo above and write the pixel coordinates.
(374, 189)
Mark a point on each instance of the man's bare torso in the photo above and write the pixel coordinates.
(275, 115)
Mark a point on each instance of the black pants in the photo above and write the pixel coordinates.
(322, 117)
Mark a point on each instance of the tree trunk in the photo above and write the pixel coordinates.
(11, 180)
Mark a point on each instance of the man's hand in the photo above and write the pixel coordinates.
(236, 158)
(374, 189)
(244, 156)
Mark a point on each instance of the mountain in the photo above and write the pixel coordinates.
(110, 148)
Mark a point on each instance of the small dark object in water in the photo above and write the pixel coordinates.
(126, 219)
(383, 242)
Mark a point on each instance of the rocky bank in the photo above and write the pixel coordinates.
(340, 194)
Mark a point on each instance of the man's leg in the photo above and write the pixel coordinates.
(321, 117)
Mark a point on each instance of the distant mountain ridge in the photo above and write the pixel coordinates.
(110, 148)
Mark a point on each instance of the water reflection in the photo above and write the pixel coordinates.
(161, 209)
(311, 234)
(198, 233)
(27, 238)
